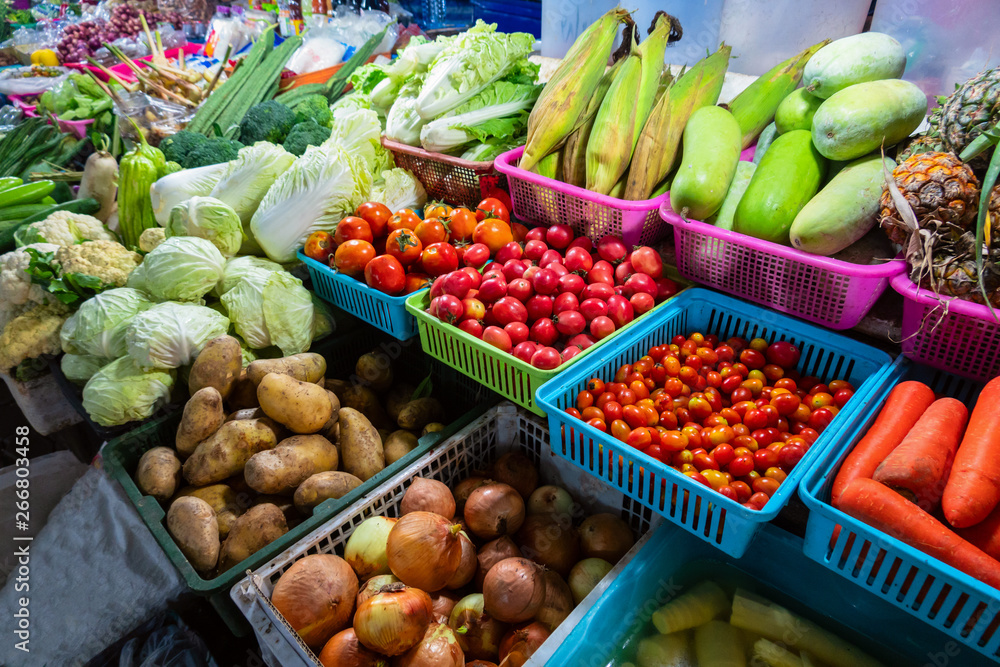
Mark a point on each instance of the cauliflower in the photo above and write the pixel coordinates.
(66, 228)
(16, 288)
(108, 260)
(31, 334)
(151, 238)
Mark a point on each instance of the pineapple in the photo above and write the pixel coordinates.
(929, 141)
(970, 110)
(942, 191)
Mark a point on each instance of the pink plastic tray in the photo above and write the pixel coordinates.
(75, 127)
(953, 335)
(125, 72)
(447, 178)
(826, 291)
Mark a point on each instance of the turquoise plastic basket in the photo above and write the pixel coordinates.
(725, 523)
(773, 567)
(388, 313)
(949, 600)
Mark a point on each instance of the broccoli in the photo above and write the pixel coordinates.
(213, 151)
(269, 121)
(304, 135)
(176, 148)
(314, 107)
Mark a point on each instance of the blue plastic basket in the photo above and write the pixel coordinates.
(388, 313)
(773, 567)
(725, 523)
(951, 601)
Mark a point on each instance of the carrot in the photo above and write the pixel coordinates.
(906, 402)
(985, 534)
(973, 488)
(884, 509)
(918, 468)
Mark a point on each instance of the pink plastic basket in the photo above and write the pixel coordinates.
(446, 178)
(75, 127)
(953, 335)
(125, 72)
(826, 291)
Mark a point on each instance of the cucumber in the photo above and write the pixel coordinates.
(869, 56)
(711, 150)
(9, 181)
(25, 194)
(8, 233)
(860, 119)
(764, 142)
(796, 111)
(744, 172)
(843, 211)
(785, 180)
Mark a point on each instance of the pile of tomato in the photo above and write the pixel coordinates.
(734, 415)
(400, 253)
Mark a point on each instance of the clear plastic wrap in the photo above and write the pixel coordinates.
(31, 80)
(156, 118)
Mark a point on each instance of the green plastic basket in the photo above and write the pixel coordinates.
(502, 372)
(121, 456)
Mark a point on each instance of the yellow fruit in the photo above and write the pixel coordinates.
(45, 57)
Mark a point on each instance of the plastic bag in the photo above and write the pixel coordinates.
(321, 48)
(156, 118)
(10, 116)
(170, 644)
(31, 80)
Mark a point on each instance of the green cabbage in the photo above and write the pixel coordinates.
(79, 368)
(122, 392)
(182, 268)
(359, 133)
(208, 218)
(98, 327)
(398, 189)
(351, 102)
(496, 115)
(241, 267)
(170, 335)
(274, 309)
(322, 187)
(180, 186)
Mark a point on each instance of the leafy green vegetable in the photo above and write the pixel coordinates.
(171, 190)
(182, 268)
(398, 189)
(499, 114)
(403, 123)
(246, 180)
(170, 335)
(272, 308)
(69, 288)
(360, 134)
(98, 327)
(121, 392)
(246, 266)
(207, 218)
(79, 368)
(31, 369)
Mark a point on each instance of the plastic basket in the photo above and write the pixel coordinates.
(121, 456)
(953, 335)
(502, 372)
(725, 523)
(445, 177)
(385, 312)
(826, 291)
(672, 561)
(501, 429)
(77, 128)
(951, 601)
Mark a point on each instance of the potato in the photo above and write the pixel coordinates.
(306, 367)
(375, 369)
(336, 386)
(360, 445)
(223, 501)
(301, 406)
(400, 394)
(283, 503)
(227, 450)
(335, 403)
(383, 434)
(323, 486)
(333, 435)
(246, 413)
(203, 415)
(258, 527)
(397, 445)
(158, 473)
(192, 523)
(244, 393)
(292, 462)
(433, 427)
(367, 403)
(417, 414)
(218, 365)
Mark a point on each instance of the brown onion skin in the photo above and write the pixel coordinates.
(550, 540)
(374, 585)
(558, 602)
(480, 663)
(428, 495)
(493, 510)
(401, 631)
(605, 536)
(492, 553)
(467, 567)
(438, 648)
(517, 470)
(442, 603)
(514, 590)
(424, 550)
(344, 650)
(316, 596)
(481, 639)
(520, 643)
(464, 488)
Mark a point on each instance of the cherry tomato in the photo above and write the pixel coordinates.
(820, 419)
(841, 397)
(492, 208)
(620, 430)
(573, 412)
(776, 473)
(639, 438)
(633, 415)
(352, 256)
(766, 485)
(416, 281)
(319, 246)
(741, 465)
(758, 500)
(764, 459)
(438, 259)
(728, 491)
(743, 491)
(698, 477)
(786, 404)
(598, 424)
(723, 454)
(595, 386)
(612, 411)
(592, 412)
(715, 478)
(376, 215)
(404, 245)
(431, 230)
(386, 274)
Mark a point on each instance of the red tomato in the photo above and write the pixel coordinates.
(436, 209)
(461, 224)
(416, 281)
(431, 230)
(498, 338)
(376, 215)
(404, 245)
(499, 193)
(439, 259)
(493, 232)
(476, 255)
(404, 218)
(546, 358)
(352, 257)
(492, 207)
(352, 227)
(386, 274)
(319, 246)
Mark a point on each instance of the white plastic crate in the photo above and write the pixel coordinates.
(501, 429)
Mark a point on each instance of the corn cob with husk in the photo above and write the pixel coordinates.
(754, 107)
(659, 143)
(559, 109)
(624, 110)
(550, 166)
(574, 151)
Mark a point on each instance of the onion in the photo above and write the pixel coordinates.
(480, 663)
(464, 488)
(393, 621)
(585, 575)
(344, 650)
(549, 540)
(479, 634)
(550, 499)
(366, 547)
(316, 596)
(467, 566)
(493, 510)
(438, 648)
(514, 590)
(492, 553)
(558, 601)
(516, 469)
(442, 603)
(424, 550)
(605, 536)
(428, 495)
(374, 585)
(521, 643)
